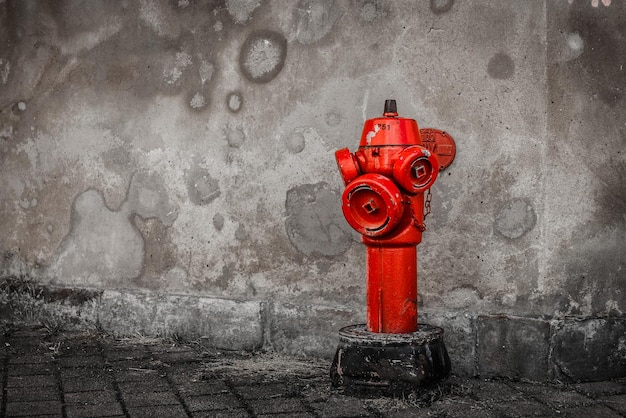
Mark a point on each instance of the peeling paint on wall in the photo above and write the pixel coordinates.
(102, 248)
(202, 188)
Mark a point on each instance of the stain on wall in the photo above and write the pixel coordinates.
(162, 270)
(262, 56)
(102, 248)
(315, 224)
(201, 187)
(241, 10)
(234, 101)
(295, 141)
(235, 136)
(106, 246)
(515, 219)
(441, 6)
(218, 221)
(598, 34)
(586, 78)
(148, 198)
(313, 20)
(501, 66)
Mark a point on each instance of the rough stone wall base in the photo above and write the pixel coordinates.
(576, 349)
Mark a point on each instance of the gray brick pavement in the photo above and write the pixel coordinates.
(90, 375)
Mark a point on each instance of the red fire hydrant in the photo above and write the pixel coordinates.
(384, 200)
(386, 179)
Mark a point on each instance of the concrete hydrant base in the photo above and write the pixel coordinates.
(368, 363)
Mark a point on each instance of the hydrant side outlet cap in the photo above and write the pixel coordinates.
(372, 204)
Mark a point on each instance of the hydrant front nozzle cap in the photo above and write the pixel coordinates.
(391, 109)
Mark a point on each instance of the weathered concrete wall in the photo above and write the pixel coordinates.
(175, 158)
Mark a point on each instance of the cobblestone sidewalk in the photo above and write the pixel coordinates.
(91, 375)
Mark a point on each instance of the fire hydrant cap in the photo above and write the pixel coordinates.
(416, 169)
(372, 204)
(348, 165)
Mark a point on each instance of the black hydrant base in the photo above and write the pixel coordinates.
(368, 363)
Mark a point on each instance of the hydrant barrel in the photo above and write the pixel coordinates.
(392, 289)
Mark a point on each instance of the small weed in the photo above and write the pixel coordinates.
(53, 326)
(54, 347)
(177, 339)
